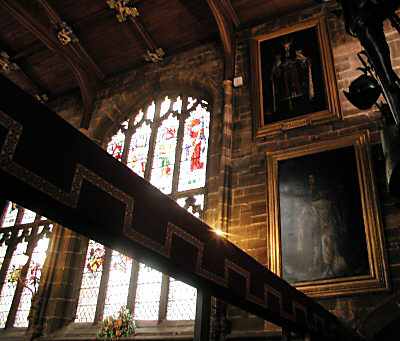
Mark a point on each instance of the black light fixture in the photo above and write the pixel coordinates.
(365, 90)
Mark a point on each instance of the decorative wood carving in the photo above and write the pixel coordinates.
(65, 35)
(156, 56)
(6, 65)
(123, 10)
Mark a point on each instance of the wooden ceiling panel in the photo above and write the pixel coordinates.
(13, 36)
(73, 11)
(50, 72)
(177, 23)
(113, 46)
(254, 11)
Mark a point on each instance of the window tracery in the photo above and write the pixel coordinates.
(167, 144)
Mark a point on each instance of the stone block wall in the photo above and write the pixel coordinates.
(249, 192)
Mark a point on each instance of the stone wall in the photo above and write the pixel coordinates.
(248, 226)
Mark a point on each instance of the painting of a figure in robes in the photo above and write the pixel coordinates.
(324, 231)
(323, 235)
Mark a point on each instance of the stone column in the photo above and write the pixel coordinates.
(57, 298)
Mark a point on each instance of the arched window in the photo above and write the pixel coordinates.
(24, 240)
(167, 144)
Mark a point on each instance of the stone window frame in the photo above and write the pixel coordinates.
(162, 325)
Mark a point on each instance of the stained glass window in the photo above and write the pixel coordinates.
(32, 282)
(167, 144)
(164, 155)
(116, 146)
(181, 301)
(90, 282)
(27, 243)
(194, 150)
(139, 148)
(118, 283)
(147, 293)
(10, 216)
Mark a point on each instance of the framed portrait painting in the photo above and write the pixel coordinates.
(293, 78)
(324, 230)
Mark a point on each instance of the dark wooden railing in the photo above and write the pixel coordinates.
(48, 166)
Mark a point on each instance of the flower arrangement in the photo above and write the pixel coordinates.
(113, 328)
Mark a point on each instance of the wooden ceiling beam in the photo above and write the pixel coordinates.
(143, 33)
(227, 34)
(14, 72)
(85, 74)
(124, 13)
(230, 12)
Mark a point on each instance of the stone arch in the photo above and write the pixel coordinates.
(381, 317)
(113, 110)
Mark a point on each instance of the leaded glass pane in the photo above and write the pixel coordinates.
(116, 146)
(165, 106)
(177, 106)
(118, 283)
(8, 290)
(139, 148)
(11, 215)
(147, 293)
(194, 150)
(164, 155)
(151, 110)
(194, 205)
(181, 301)
(3, 250)
(90, 283)
(31, 282)
(138, 118)
(28, 217)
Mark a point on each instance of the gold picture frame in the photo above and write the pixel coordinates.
(324, 231)
(315, 100)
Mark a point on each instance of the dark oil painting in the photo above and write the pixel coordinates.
(321, 217)
(292, 76)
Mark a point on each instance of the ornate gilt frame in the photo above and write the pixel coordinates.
(378, 279)
(333, 110)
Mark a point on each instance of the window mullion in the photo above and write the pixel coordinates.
(3, 210)
(127, 145)
(178, 150)
(153, 140)
(162, 312)
(6, 262)
(133, 286)
(103, 286)
(20, 287)
(20, 215)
